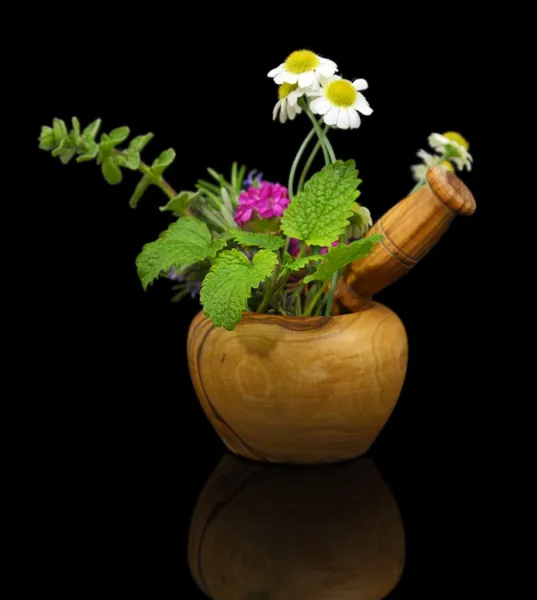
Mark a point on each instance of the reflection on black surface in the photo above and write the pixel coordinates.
(268, 532)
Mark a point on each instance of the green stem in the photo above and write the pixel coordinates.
(158, 181)
(329, 155)
(287, 272)
(310, 161)
(266, 298)
(315, 299)
(330, 294)
(328, 158)
(420, 183)
(294, 166)
(330, 149)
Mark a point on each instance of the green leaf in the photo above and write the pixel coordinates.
(139, 143)
(131, 160)
(234, 168)
(118, 135)
(163, 162)
(111, 171)
(60, 148)
(92, 149)
(67, 154)
(76, 126)
(91, 131)
(214, 174)
(342, 255)
(106, 144)
(185, 242)
(228, 285)
(181, 202)
(261, 240)
(47, 141)
(240, 177)
(300, 263)
(320, 213)
(144, 183)
(60, 130)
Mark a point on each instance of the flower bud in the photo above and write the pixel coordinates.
(47, 141)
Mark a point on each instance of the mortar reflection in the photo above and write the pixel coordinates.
(296, 533)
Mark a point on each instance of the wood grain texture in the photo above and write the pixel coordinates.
(410, 229)
(266, 531)
(297, 389)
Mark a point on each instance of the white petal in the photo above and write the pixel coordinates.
(327, 61)
(275, 71)
(437, 141)
(362, 105)
(360, 84)
(343, 120)
(419, 172)
(276, 108)
(320, 106)
(326, 70)
(291, 111)
(291, 98)
(285, 77)
(306, 79)
(331, 116)
(355, 119)
(425, 156)
(283, 113)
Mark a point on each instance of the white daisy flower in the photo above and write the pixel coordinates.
(419, 172)
(454, 147)
(304, 68)
(288, 95)
(340, 101)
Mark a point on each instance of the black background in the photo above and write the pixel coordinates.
(133, 408)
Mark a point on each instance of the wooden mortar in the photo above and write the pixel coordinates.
(320, 389)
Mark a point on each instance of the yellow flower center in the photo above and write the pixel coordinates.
(457, 137)
(448, 165)
(341, 93)
(302, 61)
(285, 89)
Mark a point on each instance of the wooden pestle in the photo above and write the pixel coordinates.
(410, 229)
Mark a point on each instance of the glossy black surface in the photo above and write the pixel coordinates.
(121, 448)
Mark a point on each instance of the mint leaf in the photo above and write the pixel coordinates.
(181, 202)
(111, 171)
(163, 162)
(261, 240)
(185, 242)
(300, 263)
(320, 213)
(228, 285)
(342, 255)
(144, 183)
(139, 143)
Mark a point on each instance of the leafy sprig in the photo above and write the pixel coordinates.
(256, 272)
(107, 153)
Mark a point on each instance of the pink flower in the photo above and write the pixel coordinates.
(325, 249)
(269, 200)
(294, 247)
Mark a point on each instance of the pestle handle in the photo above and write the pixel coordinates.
(410, 229)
